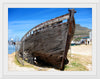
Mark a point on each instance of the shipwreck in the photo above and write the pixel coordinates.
(49, 41)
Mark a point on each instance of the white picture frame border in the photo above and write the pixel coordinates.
(5, 32)
(6, 74)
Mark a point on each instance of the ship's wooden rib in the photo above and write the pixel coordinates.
(50, 41)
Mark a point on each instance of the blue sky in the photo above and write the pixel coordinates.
(20, 20)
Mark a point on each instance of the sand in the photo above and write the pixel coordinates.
(82, 50)
(13, 67)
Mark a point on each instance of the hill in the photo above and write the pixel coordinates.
(81, 31)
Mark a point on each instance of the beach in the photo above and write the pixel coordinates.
(85, 51)
(82, 49)
(13, 67)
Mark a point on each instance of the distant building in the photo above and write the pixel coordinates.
(87, 40)
(90, 35)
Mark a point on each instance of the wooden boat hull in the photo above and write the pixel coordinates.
(50, 45)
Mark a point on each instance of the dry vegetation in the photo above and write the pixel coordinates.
(79, 63)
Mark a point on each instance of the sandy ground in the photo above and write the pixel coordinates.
(14, 67)
(83, 50)
(80, 49)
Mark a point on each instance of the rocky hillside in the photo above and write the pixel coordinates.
(81, 31)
